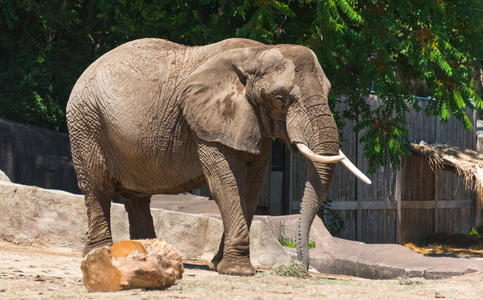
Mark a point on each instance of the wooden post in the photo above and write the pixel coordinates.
(437, 197)
(291, 184)
(398, 207)
(478, 207)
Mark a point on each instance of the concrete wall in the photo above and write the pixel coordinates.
(36, 156)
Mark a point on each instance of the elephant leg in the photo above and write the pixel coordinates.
(219, 255)
(99, 218)
(256, 173)
(254, 185)
(225, 172)
(93, 179)
(140, 219)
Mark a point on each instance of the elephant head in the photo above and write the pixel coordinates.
(242, 95)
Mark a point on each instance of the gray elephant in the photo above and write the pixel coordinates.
(155, 117)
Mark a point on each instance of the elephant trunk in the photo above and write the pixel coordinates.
(315, 128)
(318, 181)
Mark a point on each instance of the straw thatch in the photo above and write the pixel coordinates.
(467, 163)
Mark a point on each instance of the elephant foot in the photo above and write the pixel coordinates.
(240, 266)
(215, 261)
(91, 246)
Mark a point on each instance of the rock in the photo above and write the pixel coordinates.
(148, 264)
(4, 177)
(31, 215)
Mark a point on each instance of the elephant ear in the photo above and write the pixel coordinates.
(214, 103)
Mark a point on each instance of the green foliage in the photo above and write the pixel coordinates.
(396, 50)
(474, 232)
(288, 241)
(386, 48)
(332, 220)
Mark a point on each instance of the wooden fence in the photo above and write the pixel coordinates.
(404, 206)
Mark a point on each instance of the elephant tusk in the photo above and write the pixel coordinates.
(349, 165)
(332, 159)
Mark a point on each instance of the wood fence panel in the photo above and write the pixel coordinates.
(417, 224)
(379, 226)
(297, 176)
(350, 224)
(420, 185)
(343, 187)
(264, 203)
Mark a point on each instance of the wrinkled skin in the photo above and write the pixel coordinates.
(153, 117)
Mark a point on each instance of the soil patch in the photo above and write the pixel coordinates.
(33, 272)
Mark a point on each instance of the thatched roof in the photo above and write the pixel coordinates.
(467, 163)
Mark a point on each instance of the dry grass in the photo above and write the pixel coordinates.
(468, 163)
(446, 250)
(293, 269)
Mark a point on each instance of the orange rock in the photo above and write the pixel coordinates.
(99, 273)
(150, 264)
(124, 248)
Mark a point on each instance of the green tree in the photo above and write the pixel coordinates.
(384, 47)
(44, 48)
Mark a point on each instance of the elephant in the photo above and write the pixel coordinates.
(155, 117)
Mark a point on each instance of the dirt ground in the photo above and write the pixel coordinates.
(33, 272)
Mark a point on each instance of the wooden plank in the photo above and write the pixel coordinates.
(417, 224)
(264, 202)
(479, 201)
(444, 204)
(398, 237)
(437, 197)
(276, 193)
(379, 205)
(378, 226)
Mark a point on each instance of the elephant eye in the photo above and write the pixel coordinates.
(280, 100)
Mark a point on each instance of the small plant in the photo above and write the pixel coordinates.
(292, 269)
(312, 243)
(474, 232)
(408, 281)
(288, 241)
(332, 220)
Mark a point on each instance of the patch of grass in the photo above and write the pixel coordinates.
(327, 281)
(288, 241)
(408, 281)
(474, 232)
(293, 269)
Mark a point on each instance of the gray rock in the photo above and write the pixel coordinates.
(4, 177)
(33, 215)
